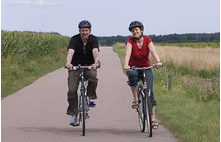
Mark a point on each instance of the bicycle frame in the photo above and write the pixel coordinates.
(145, 112)
(83, 101)
(83, 94)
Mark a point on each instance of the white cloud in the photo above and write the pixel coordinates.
(43, 2)
(30, 2)
(23, 2)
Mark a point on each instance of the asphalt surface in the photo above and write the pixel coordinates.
(37, 113)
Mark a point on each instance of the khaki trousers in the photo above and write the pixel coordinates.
(73, 83)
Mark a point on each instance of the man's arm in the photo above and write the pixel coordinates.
(96, 58)
(69, 58)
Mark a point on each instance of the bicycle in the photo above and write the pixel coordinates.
(83, 100)
(144, 109)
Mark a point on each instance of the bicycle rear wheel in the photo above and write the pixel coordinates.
(140, 111)
(149, 113)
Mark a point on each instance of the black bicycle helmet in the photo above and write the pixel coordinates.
(135, 24)
(84, 24)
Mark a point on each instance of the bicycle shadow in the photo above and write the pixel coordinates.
(77, 131)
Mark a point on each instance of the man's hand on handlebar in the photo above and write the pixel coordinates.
(94, 66)
(68, 65)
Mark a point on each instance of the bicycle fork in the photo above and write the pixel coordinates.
(147, 96)
(83, 92)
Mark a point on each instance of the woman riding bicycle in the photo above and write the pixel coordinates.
(138, 48)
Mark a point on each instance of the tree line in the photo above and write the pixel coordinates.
(171, 38)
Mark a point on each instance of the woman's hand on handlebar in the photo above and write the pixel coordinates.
(126, 67)
(158, 65)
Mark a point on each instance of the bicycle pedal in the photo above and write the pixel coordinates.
(92, 105)
(87, 116)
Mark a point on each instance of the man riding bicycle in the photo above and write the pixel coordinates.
(137, 54)
(83, 49)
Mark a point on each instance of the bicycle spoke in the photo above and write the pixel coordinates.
(149, 113)
(141, 115)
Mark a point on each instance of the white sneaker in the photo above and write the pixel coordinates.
(92, 103)
(73, 121)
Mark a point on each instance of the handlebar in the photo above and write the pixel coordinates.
(143, 68)
(79, 67)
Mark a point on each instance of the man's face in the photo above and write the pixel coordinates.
(84, 32)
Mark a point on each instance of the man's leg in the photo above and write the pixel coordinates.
(91, 76)
(92, 86)
(72, 97)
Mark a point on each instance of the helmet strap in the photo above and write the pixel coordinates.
(139, 37)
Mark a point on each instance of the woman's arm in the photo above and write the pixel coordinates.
(154, 54)
(127, 56)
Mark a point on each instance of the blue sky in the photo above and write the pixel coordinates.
(111, 17)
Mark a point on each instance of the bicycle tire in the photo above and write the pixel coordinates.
(80, 110)
(149, 113)
(83, 112)
(141, 114)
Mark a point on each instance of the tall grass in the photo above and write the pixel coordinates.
(193, 58)
(25, 56)
(192, 45)
(184, 69)
(191, 110)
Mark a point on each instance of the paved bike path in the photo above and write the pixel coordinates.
(37, 113)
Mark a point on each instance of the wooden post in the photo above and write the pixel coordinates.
(169, 82)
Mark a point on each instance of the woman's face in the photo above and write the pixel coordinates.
(136, 32)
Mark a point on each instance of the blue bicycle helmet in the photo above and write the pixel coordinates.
(135, 24)
(84, 24)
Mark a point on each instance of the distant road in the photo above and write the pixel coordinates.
(37, 113)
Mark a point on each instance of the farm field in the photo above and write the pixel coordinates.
(26, 56)
(194, 58)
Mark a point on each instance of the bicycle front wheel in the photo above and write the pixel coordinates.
(83, 112)
(140, 111)
(149, 113)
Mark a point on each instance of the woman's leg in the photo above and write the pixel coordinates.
(149, 77)
(133, 79)
(134, 91)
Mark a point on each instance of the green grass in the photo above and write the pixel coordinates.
(183, 70)
(191, 112)
(26, 56)
(187, 118)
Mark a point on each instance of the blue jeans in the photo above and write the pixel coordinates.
(135, 75)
